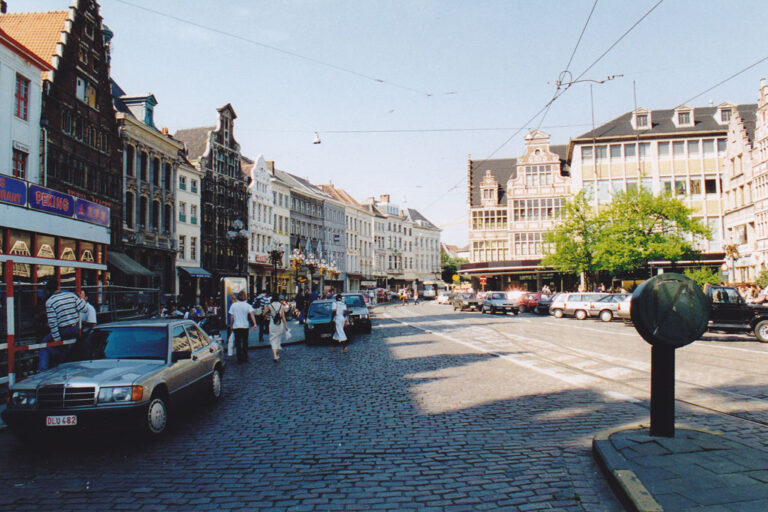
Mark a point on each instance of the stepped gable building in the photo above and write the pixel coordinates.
(512, 203)
(81, 145)
(150, 162)
(681, 151)
(224, 228)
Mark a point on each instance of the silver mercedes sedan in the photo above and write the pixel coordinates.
(121, 373)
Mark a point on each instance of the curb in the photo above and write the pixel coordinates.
(624, 482)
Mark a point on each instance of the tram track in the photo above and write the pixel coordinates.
(518, 350)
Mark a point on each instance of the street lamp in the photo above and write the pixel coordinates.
(275, 257)
(238, 237)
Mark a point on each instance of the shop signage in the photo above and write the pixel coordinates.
(367, 283)
(13, 191)
(91, 212)
(50, 201)
(261, 259)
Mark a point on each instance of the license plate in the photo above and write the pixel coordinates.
(325, 335)
(61, 421)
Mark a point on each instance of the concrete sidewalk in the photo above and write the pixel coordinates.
(694, 471)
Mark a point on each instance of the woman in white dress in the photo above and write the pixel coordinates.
(277, 330)
(339, 308)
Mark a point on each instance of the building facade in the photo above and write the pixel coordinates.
(150, 162)
(191, 277)
(286, 278)
(260, 223)
(333, 249)
(224, 228)
(81, 147)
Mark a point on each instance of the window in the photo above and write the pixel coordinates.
(143, 212)
(709, 147)
(82, 54)
(678, 149)
(680, 187)
(645, 148)
(694, 185)
(85, 92)
(19, 164)
(143, 163)
(641, 120)
(89, 29)
(180, 340)
(693, 148)
(182, 182)
(182, 211)
(683, 118)
(193, 248)
(193, 213)
(615, 151)
(664, 149)
(155, 214)
(194, 186)
(600, 153)
(66, 122)
(725, 115)
(629, 151)
(22, 97)
(721, 144)
(167, 217)
(183, 247)
(710, 186)
(129, 200)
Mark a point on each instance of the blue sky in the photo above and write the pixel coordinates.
(489, 65)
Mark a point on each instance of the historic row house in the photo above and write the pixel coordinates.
(224, 200)
(81, 149)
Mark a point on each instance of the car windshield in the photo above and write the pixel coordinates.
(497, 296)
(467, 295)
(122, 343)
(319, 310)
(354, 301)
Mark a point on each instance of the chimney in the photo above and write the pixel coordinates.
(271, 166)
(164, 130)
(3, 7)
(384, 198)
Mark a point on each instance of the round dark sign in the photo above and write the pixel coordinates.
(670, 310)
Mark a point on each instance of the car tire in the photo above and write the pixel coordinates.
(606, 315)
(156, 418)
(557, 313)
(580, 314)
(761, 331)
(215, 386)
(523, 309)
(482, 310)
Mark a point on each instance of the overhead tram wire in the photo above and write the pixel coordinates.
(556, 96)
(721, 82)
(277, 49)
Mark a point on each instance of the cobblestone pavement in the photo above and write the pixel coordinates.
(408, 419)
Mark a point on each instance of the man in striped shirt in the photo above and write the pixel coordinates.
(63, 310)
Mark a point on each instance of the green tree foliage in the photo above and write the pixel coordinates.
(762, 279)
(572, 242)
(639, 227)
(449, 266)
(703, 275)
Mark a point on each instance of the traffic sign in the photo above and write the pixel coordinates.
(455, 277)
(483, 279)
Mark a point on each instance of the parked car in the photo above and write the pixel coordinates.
(537, 302)
(464, 301)
(498, 301)
(319, 324)
(606, 307)
(444, 298)
(624, 309)
(575, 304)
(516, 297)
(120, 374)
(359, 316)
(729, 312)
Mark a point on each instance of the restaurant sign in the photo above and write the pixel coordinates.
(35, 197)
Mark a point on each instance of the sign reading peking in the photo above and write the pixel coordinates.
(13, 191)
(50, 201)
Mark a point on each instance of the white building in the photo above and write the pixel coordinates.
(426, 247)
(260, 221)
(188, 220)
(281, 228)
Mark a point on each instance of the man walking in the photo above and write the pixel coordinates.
(238, 316)
(300, 298)
(264, 302)
(63, 310)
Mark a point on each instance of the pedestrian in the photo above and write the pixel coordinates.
(63, 310)
(300, 304)
(87, 317)
(264, 301)
(279, 326)
(239, 313)
(415, 296)
(339, 309)
(403, 296)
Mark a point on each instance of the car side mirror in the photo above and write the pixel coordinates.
(178, 355)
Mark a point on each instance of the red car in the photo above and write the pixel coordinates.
(535, 301)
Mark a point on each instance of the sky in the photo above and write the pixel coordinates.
(403, 92)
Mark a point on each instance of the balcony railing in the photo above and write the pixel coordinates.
(182, 218)
(193, 220)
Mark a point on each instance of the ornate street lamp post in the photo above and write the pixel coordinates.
(238, 237)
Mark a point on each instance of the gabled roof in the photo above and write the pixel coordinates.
(501, 169)
(40, 32)
(196, 140)
(339, 194)
(663, 124)
(418, 218)
(24, 52)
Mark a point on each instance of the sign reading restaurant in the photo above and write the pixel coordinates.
(35, 197)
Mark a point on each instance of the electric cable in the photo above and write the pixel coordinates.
(721, 82)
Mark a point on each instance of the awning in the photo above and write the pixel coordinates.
(355, 276)
(126, 265)
(196, 271)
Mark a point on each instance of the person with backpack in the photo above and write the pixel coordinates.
(279, 326)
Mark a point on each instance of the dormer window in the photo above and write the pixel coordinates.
(683, 118)
(642, 120)
(148, 116)
(725, 115)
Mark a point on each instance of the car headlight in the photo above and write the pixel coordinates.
(24, 398)
(310, 326)
(364, 316)
(120, 394)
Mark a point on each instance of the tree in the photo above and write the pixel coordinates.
(703, 275)
(639, 227)
(571, 243)
(450, 266)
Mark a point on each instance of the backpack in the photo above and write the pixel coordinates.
(276, 318)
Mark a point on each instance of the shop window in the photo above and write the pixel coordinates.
(87, 252)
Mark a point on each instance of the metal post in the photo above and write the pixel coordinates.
(662, 391)
(11, 326)
(78, 281)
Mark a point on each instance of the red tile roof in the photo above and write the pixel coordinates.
(38, 31)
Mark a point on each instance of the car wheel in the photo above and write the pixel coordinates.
(606, 315)
(493, 310)
(156, 420)
(557, 313)
(761, 331)
(523, 309)
(215, 387)
(580, 314)
(536, 310)
(482, 310)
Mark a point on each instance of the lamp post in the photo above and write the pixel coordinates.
(238, 237)
(275, 257)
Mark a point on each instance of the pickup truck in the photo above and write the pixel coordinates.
(729, 312)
